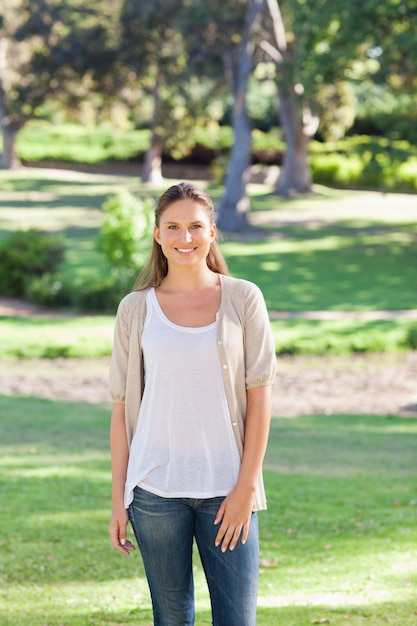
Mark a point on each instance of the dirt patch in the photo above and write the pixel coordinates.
(362, 384)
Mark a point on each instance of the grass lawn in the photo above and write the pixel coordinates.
(91, 336)
(52, 336)
(336, 250)
(338, 544)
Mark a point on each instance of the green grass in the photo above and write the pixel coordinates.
(338, 541)
(324, 260)
(334, 268)
(49, 336)
(344, 336)
(336, 250)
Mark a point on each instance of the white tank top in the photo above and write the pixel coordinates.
(184, 446)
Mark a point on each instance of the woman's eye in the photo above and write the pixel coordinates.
(172, 227)
(196, 226)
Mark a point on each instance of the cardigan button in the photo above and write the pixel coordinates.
(234, 423)
(219, 343)
(225, 367)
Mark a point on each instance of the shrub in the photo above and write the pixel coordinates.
(25, 255)
(50, 291)
(410, 341)
(406, 176)
(103, 296)
(125, 235)
(74, 142)
(365, 163)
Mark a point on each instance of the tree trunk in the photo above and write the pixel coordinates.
(9, 128)
(295, 174)
(9, 158)
(152, 167)
(297, 122)
(234, 204)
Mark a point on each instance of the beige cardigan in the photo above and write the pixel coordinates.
(245, 346)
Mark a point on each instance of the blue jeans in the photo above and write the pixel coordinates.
(165, 529)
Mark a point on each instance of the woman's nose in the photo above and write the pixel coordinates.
(186, 235)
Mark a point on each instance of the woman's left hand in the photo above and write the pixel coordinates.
(234, 517)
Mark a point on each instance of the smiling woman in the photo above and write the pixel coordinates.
(191, 374)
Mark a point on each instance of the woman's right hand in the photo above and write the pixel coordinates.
(117, 531)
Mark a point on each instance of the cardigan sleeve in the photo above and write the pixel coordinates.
(260, 357)
(120, 353)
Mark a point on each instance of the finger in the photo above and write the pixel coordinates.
(224, 536)
(221, 534)
(231, 538)
(220, 513)
(119, 540)
(245, 532)
(125, 548)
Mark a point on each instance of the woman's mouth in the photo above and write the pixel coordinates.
(185, 250)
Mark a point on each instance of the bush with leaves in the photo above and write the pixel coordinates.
(125, 234)
(25, 256)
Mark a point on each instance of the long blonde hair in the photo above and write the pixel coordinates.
(156, 268)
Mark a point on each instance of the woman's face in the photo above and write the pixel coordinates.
(185, 233)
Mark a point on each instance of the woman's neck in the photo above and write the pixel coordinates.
(189, 281)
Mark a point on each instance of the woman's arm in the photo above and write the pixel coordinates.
(236, 509)
(119, 460)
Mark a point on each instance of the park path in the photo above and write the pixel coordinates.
(338, 315)
(382, 384)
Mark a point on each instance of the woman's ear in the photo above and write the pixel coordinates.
(156, 234)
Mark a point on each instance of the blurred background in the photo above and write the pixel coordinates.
(300, 120)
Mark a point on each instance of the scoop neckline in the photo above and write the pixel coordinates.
(167, 321)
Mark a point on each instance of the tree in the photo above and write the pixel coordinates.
(234, 204)
(52, 49)
(158, 45)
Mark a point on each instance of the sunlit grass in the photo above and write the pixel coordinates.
(342, 336)
(338, 540)
(336, 251)
(335, 269)
(49, 337)
(92, 336)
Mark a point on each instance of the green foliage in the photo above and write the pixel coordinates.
(410, 341)
(383, 111)
(26, 255)
(50, 291)
(125, 235)
(268, 147)
(102, 294)
(76, 143)
(365, 163)
(361, 162)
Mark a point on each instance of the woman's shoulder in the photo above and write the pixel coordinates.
(240, 286)
(133, 300)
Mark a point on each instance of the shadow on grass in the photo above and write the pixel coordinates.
(341, 496)
(330, 271)
(72, 201)
(373, 613)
